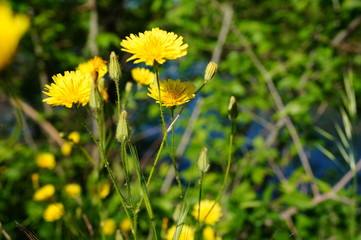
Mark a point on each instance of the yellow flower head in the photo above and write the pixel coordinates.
(44, 192)
(187, 233)
(173, 92)
(95, 66)
(72, 190)
(53, 212)
(12, 28)
(143, 76)
(66, 148)
(108, 226)
(206, 216)
(155, 46)
(209, 234)
(104, 190)
(74, 136)
(125, 225)
(45, 160)
(72, 88)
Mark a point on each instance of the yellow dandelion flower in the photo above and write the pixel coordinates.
(44, 192)
(66, 148)
(12, 26)
(125, 225)
(206, 216)
(155, 46)
(96, 65)
(45, 160)
(187, 233)
(173, 92)
(72, 88)
(53, 212)
(73, 190)
(104, 190)
(108, 226)
(143, 76)
(209, 234)
(74, 136)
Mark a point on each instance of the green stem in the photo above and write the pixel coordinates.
(173, 157)
(126, 171)
(199, 204)
(227, 169)
(118, 96)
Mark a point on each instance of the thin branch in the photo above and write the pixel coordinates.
(223, 33)
(46, 126)
(279, 105)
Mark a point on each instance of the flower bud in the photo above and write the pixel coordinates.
(122, 133)
(232, 108)
(203, 163)
(210, 72)
(95, 99)
(115, 71)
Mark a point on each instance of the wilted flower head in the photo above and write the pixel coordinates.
(45, 160)
(143, 76)
(155, 46)
(187, 233)
(173, 92)
(210, 71)
(71, 88)
(44, 192)
(53, 212)
(12, 26)
(205, 215)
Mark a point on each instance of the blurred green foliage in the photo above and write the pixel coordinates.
(298, 42)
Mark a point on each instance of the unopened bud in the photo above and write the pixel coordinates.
(128, 87)
(122, 133)
(210, 72)
(203, 163)
(115, 71)
(95, 99)
(232, 108)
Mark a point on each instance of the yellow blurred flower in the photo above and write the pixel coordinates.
(205, 214)
(45, 160)
(209, 234)
(155, 46)
(108, 226)
(74, 136)
(104, 190)
(96, 66)
(125, 225)
(72, 190)
(187, 233)
(143, 76)
(53, 212)
(173, 92)
(66, 148)
(44, 192)
(35, 178)
(12, 26)
(71, 88)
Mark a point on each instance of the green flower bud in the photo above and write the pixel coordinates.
(210, 71)
(95, 99)
(122, 133)
(203, 163)
(232, 108)
(115, 71)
